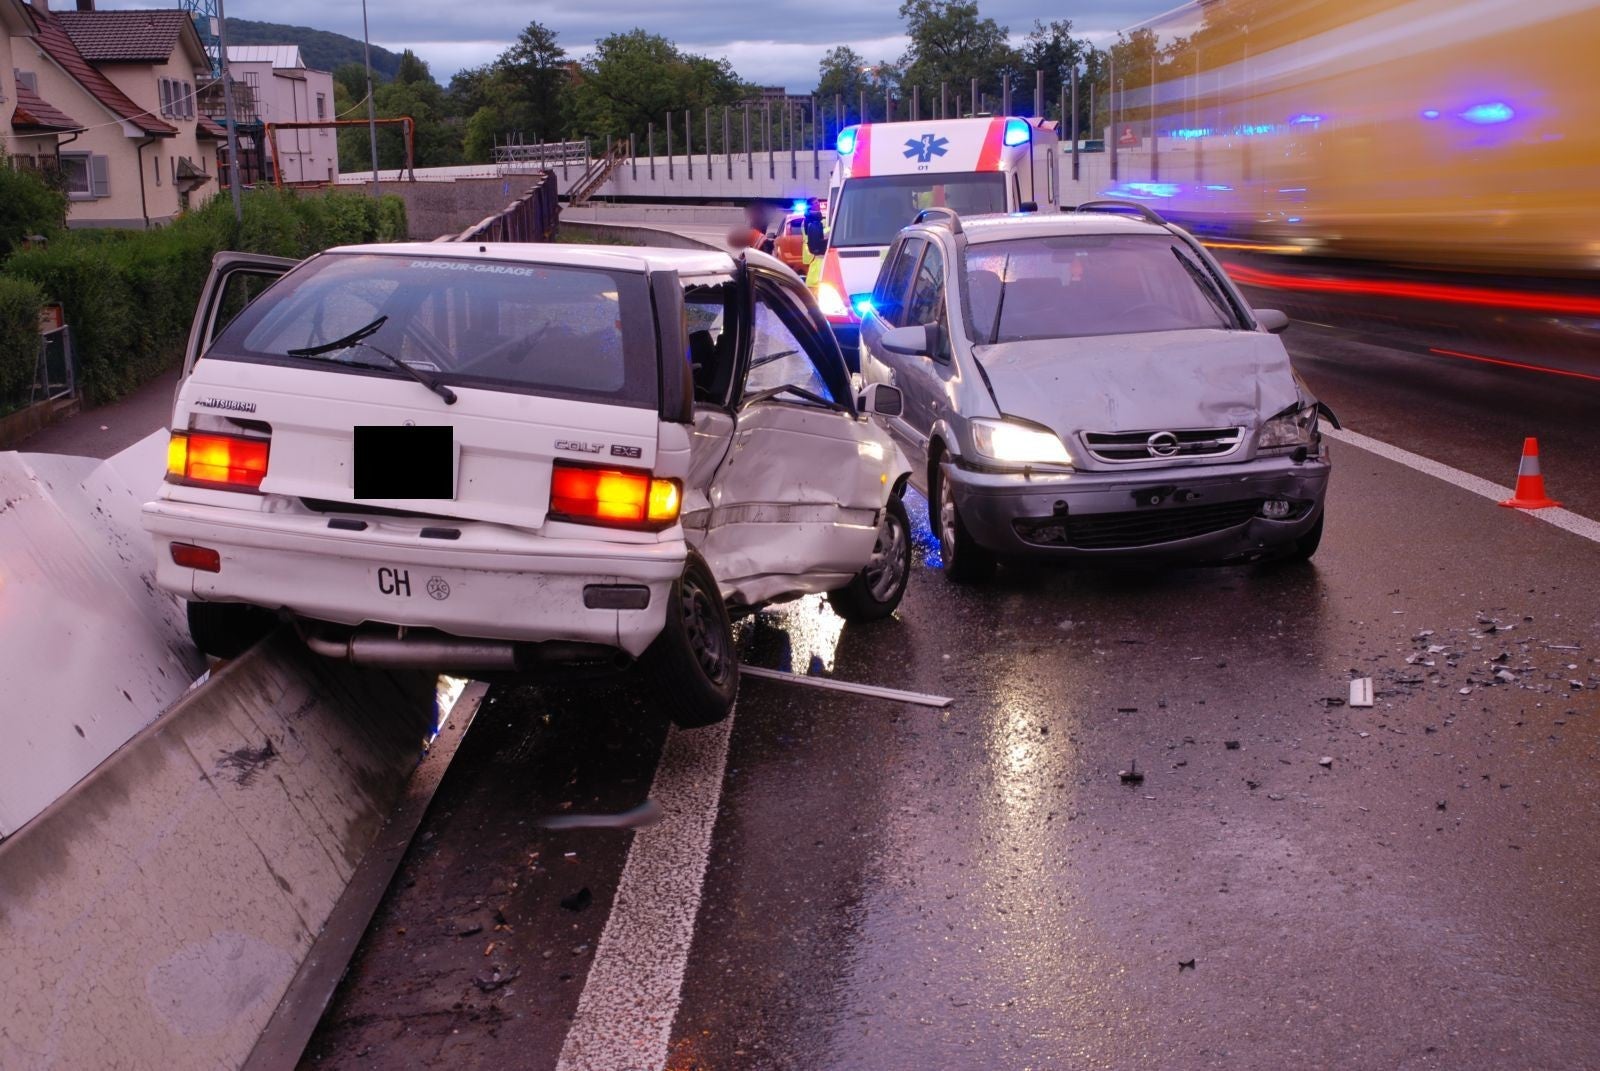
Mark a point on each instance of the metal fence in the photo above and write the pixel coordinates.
(54, 377)
(533, 217)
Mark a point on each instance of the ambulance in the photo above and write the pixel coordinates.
(886, 173)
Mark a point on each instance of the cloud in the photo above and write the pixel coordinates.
(771, 43)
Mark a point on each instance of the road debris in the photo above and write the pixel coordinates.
(828, 684)
(1361, 692)
(1185, 965)
(1231, 745)
(1131, 776)
(646, 814)
(1326, 761)
(488, 983)
(578, 900)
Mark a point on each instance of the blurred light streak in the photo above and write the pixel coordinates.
(1501, 361)
(1526, 301)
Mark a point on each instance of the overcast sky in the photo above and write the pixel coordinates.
(771, 43)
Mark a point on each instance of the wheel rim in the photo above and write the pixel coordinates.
(702, 625)
(947, 525)
(888, 565)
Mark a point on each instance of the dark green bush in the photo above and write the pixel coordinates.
(28, 205)
(130, 295)
(19, 339)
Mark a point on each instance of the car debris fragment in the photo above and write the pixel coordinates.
(1361, 692)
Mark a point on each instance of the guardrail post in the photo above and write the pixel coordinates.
(749, 151)
(772, 159)
(794, 140)
(816, 158)
(688, 143)
(650, 148)
(669, 147)
(727, 139)
(633, 157)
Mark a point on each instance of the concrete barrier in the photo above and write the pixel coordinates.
(156, 914)
(702, 237)
(90, 650)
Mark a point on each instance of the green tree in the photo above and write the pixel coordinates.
(636, 78)
(414, 93)
(951, 43)
(522, 93)
(840, 74)
(1051, 48)
(28, 205)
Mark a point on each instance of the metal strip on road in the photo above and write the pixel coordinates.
(630, 999)
(828, 684)
(1565, 519)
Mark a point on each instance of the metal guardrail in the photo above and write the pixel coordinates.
(542, 153)
(533, 217)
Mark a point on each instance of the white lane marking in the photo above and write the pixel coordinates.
(630, 999)
(829, 684)
(1564, 519)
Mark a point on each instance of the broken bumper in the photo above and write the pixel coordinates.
(491, 583)
(1210, 513)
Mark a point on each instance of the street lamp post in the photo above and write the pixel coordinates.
(372, 108)
(227, 113)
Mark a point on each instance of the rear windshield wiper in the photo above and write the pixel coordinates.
(359, 337)
(1208, 284)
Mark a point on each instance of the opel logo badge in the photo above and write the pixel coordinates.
(1162, 444)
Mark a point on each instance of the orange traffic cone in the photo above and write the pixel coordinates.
(1530, 483)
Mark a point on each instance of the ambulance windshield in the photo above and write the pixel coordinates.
(872, 210)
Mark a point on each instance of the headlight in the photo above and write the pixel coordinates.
(1287, 431)
(831, 302)
(1018, 444)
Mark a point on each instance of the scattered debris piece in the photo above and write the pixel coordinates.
(1505, 675)
(647, 813)
(1361, 692)
(1127, 710)
(1185, 965)
(1253, 785)
(488, 983)
(1325, 761)
(471, 931)
(829, 684)
(1442, 805)
(1274, 796)
(1231, 745)
(578, 900)
(1131, 776)
(1363, 735)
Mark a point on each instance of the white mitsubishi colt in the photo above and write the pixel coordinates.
(494, 458)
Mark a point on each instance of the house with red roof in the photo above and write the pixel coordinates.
(108, 98)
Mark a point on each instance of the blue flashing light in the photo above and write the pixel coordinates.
(862, 304)
(1018, 132)
(1431, 113)
(1190, 133)
(798, 206)
(1489, 113)
(1221, 189)
(1294, 219)
(846, 143)
(1304, 118)
(1157, 190)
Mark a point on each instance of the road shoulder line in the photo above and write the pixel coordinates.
(1565, 519)
(630, 998)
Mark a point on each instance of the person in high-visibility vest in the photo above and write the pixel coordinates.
(816, 243)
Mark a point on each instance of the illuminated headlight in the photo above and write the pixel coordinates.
(1018, 444)
(1289, 430)
(831, 302)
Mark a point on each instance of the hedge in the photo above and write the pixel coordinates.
(19, 339)
(130, 295)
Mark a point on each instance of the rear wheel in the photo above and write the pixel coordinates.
(964, 560)
(228, 629)
(879, 587)
(692, 663)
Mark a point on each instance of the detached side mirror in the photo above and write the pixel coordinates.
(882, 400)
(1272, 320)
(907, 341)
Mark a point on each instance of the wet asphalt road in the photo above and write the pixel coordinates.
(892, 887)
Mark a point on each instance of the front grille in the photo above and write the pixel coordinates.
(1139, 528)
(1125, 447)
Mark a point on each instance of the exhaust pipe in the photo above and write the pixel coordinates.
(432, 652)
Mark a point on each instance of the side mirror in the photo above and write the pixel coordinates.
(1272, 320)
(881, 399)
(907, 341)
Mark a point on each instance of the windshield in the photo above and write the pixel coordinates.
(1068, 286)
(556, 330)
(872, 210)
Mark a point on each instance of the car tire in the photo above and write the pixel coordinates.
(877, 589)
(965, 561)
(692, 665)
(1307, 545)
(228, 629)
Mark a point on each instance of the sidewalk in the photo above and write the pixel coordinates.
(111, 428)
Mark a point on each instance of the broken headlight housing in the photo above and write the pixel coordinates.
(1011, 442)
(1290, 430)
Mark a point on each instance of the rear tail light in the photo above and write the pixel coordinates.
(192, 557)
(208, 460)
(615, 498)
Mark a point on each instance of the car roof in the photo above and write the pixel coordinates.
(994, 228)
(615, 257)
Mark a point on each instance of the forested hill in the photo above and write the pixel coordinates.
(320, 49)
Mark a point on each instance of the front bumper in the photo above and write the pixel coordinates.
(1189, 513)
(493, 583)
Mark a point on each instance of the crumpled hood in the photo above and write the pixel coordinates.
(1156, 381)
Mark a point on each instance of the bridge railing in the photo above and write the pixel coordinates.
(533, 217)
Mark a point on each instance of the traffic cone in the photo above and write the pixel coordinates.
(1530, 483)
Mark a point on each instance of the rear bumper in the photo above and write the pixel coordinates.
(500, 584)
(1189, 514)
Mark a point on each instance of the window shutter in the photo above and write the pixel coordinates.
(188, 100)
(166, 97)
(28, 80)
(99, 176)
